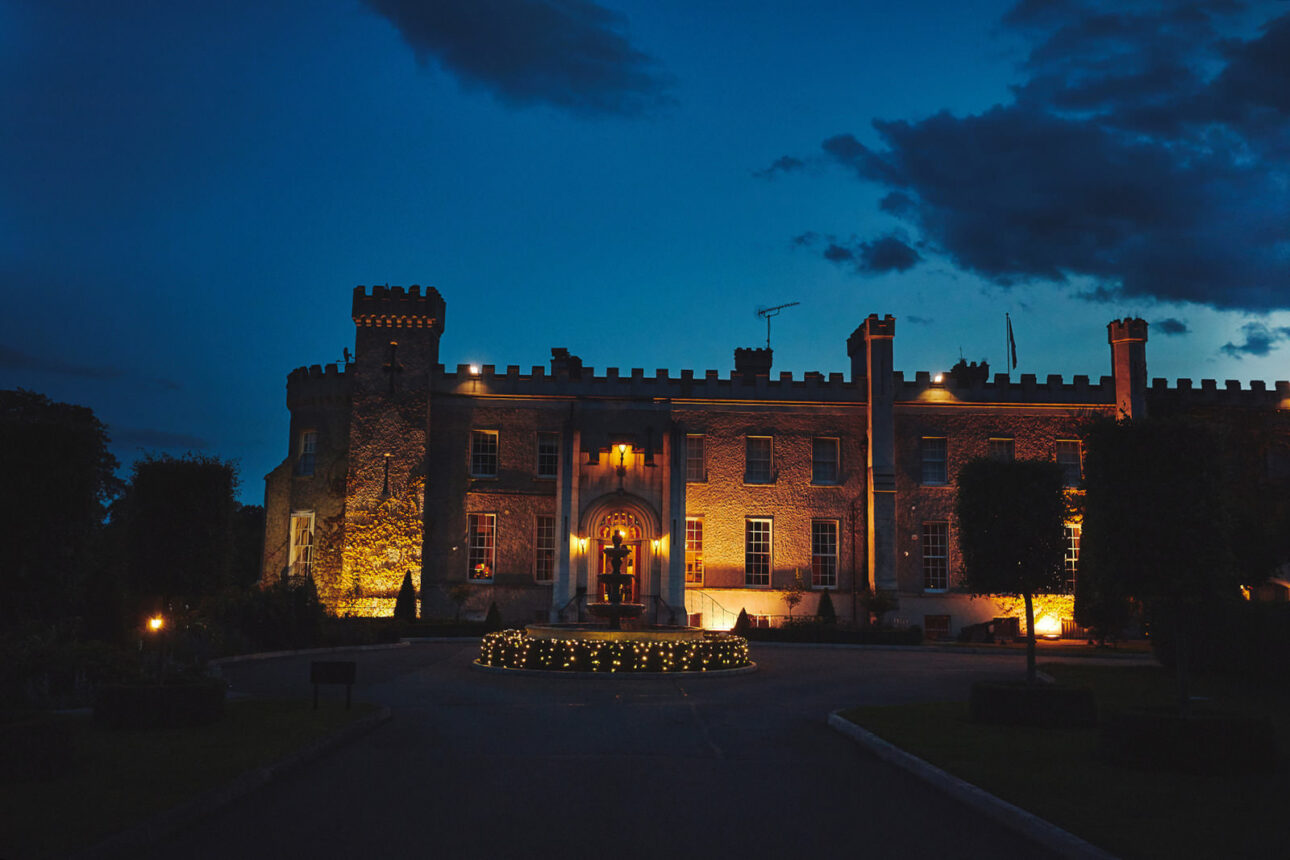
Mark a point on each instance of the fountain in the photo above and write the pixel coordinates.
(598, 648)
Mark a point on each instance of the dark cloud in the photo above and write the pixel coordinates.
(16, 359)
(783, 164)
(917, 320)
(13, 359)
(572, 54)
(875, 257)
(1259, 340)
(1146, 148)
(129, 438)
(804, 240)
(836, 253)
(1171, 326)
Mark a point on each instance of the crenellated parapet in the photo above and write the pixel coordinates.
(395, 307)
(1184, 394)
(1054, 390)
(317, 384)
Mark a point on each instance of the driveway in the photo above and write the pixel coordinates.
(478, 764)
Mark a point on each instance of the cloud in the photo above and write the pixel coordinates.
(16, 359)
(1259, 340)
(917, 320)
(144, 437)
(1169, 326)
(570, 54)
(874, 257)
(13, 359)
(783, 164)
(1146, 148)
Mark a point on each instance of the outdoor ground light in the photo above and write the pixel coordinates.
(156, 622)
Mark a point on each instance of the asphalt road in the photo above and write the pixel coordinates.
(477, 764)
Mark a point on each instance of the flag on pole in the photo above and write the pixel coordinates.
(1012, 342)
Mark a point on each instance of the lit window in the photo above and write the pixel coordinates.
(936, 560)
(757, 552)
(483, 453)
(1002, 448)
(757, 466)
(694, 463)
(482, 543)
(824, 553)
(548, 455)
(693, 551)
(1073, 533)
(307, 456)
(301, 563)
(1068, 457)
(544, 553)
(824, 461)
(934, 468)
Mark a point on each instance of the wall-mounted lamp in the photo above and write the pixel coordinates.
(474, 370)
(938, 378)
(385, 484)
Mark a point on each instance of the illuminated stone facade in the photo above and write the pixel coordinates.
(503, 486)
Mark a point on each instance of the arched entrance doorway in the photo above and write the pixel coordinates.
(639, 522)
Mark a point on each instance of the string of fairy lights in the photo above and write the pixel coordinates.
(515, 649)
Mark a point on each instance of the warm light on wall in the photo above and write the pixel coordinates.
(1048, 627)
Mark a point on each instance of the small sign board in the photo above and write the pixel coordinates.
(333, 672)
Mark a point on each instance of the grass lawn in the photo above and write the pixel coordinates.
(1133, 814)
(120, 778)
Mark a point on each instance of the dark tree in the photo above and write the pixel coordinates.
(825, 611)
(405, 606)
(58, 478)
(178, 517)
(1154, 524)
(248, 545)
(1011, 516)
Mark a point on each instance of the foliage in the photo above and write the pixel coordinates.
(177, 518)
(51, 665)
(514, 649)
(878, 603)
(794, 593)
(459, 594)
(493, 620)
(1154, 525)
(58, 479)
(286, 614)
(405, 606)
(742, 624)
(1011, 516)
(826, 613)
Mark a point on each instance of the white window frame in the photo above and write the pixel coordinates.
(758, 476)
(696, 471)
(544, 548)
(481, 546)
(1072, 533)
(694, 551)
(824, 561)
(757, 558)
(936, 556)
(935, 451)
(300, 549)
(830, 466)
(549, 458)
(480, 456)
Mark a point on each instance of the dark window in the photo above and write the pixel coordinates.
(544, 552)
(757, 465)
(483, 453)
(307, 458)
(695, 469)
(1068, 457)
(1002, 448)
(548, 455)
(934, 468)
(824, 460)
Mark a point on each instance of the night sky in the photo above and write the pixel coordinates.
(191, 190)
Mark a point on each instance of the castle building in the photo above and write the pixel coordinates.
(505, 487)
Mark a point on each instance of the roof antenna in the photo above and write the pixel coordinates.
(766, 313)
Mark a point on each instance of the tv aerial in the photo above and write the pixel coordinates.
(766, 313)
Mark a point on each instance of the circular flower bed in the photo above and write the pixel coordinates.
(515, 649)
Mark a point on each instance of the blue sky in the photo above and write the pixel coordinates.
(191, 190)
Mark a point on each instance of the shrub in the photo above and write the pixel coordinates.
(493, 620)
(405, 606)
(514, 649)
(742, 624)
(826, 612)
